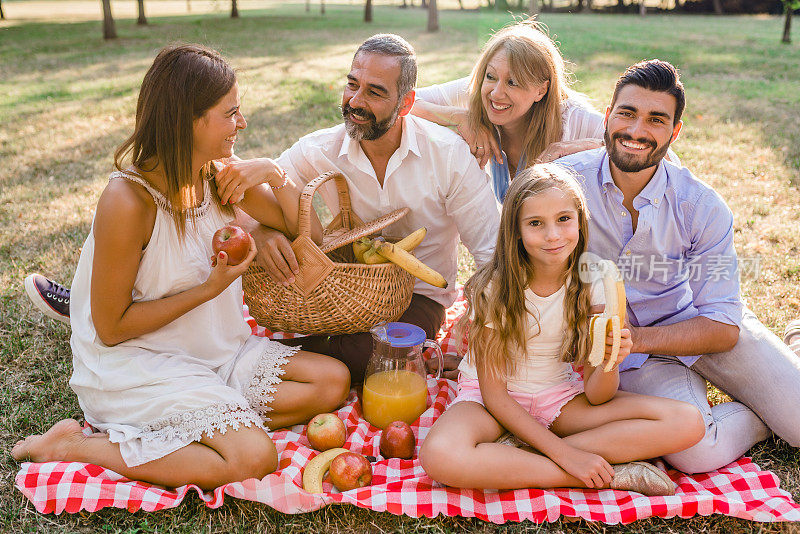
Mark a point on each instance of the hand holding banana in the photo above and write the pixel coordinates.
(609, 323)
(378, 250)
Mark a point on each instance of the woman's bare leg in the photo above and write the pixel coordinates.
(460, 451)
(236, 455)
(629, 427)
(311, 384)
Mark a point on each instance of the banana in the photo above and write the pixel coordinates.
(411, 264)
(315, 469)
(611, 320)
(371, 257)
(410, 242)
(365, 248)
(360, 247)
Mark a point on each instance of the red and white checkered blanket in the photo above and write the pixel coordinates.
(740, 489)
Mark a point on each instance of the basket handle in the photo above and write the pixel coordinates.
(304, 214)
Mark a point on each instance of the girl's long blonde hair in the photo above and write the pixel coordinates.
(533, 59)
(496, 292)
(183, 82)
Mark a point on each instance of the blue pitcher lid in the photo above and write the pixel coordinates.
(404, 335)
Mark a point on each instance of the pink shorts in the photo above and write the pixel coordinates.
(544, 406)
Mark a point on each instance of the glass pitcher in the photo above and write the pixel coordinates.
(395, 386)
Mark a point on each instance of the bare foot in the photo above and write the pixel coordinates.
(52, 446)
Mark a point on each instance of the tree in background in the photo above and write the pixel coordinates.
(2, 15)
(718, 7)
(234, 10)
(142, 20)
(789, 6)
(433, 16)
(533, 7)
(109, 28)
(368, 11)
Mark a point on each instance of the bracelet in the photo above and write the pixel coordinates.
(285, 181)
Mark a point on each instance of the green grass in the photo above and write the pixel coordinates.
(67, 100)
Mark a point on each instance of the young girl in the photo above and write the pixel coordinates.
(165, 368)
(529, 315)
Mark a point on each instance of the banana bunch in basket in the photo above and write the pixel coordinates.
(378, 250)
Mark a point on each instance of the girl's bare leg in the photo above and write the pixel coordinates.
(459, 451)
(629, 427)
(212, 462)
(311, 384)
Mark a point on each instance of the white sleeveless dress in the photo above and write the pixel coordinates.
(201, 373)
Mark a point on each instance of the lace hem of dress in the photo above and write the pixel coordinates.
(190, 425)
(267, 375)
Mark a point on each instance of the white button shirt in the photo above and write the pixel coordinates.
(432, 173)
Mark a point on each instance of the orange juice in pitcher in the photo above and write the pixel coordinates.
(395, 387)
(394, 396)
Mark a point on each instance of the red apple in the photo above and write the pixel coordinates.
(350, 470)
(326, 431)
(397, 441)
(233, 241)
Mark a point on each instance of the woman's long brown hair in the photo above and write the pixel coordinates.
(183, 82)
(496, 292)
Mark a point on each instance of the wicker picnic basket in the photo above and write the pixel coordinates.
(332, 294)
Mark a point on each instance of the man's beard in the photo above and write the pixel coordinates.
(371, 130)
(631, 162)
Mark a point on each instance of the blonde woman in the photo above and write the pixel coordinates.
(517, 109)
(528, 314)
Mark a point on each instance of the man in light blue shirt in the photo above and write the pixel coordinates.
(671, 236)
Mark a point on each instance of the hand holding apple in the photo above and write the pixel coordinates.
(398, 441)
(326, 431)
(350, 470)
(233, 241)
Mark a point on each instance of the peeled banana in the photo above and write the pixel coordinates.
(315, 469)
(407, 261)
(611, 320)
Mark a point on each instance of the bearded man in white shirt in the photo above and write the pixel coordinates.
(392, 160)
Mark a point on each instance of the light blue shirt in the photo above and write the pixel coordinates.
(680, 263)
(501, 174)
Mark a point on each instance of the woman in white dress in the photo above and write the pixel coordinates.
(165, 368)
(517, 109)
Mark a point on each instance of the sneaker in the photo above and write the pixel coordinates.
(643, 478)
(51, 298)
(792, 331)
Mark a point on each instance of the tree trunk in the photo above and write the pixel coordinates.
(587, 6)
(433, 16)
(642, 9)
(234, 10)
(533, 7)
(423, 4)
(368, 11)
(308, 6)
(109, 29)
(142, 20)
(718, 7)
(322, 7)
(188, 6)
(787, 26)
(3, 15)
(580, 5)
